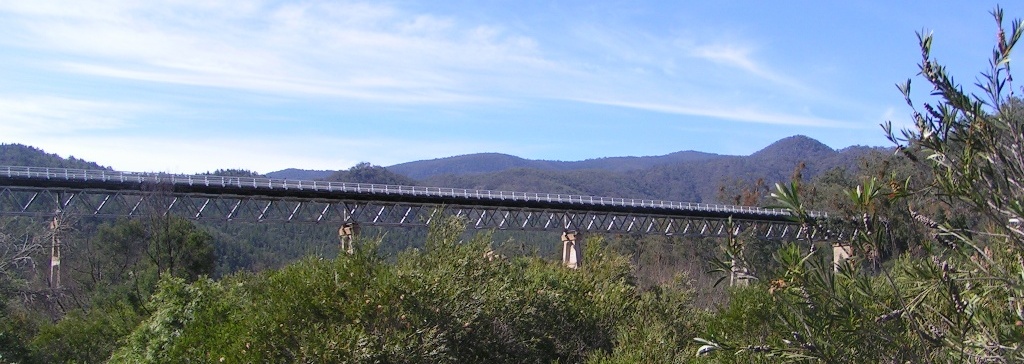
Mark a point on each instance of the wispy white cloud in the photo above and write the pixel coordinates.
(735, 113)
(354, 50)
(23, 114)
(676, 54)
(709, 77)
(361, 51)
(742, 58)
(382, 89)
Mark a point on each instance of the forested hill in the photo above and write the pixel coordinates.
(23, 155)
(693, 178)
(368, 173)
(304, 174)
(496, 162)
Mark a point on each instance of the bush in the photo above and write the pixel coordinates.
(958, 300)
(447, 304)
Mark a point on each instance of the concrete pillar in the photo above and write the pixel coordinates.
(347, 234)
(840, 253)
(571, 249)
(55, 229)
(740, 276)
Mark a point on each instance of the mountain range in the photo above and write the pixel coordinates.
(682, 176)
(495, 162)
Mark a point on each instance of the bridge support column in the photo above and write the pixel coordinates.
(55, 229)
(840, 253)
(571, 249)
(346, 235)
(739, 275)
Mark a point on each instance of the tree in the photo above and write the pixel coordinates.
(16, 254)
(962, 298)
(367, 173)
(115, 272)
(972, 143)
(177, 247)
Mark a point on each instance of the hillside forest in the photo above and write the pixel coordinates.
(936, 273)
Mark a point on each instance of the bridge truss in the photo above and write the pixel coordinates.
(48, 192)
(46, 201)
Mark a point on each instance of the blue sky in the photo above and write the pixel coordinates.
(192, 86)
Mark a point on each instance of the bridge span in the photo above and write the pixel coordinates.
(45, 191)
(57, 192)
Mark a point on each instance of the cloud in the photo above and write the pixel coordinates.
(735, 113)
(677, 72)
(741, 57)
(360, 51)
(676, 55)
(383, 89)
(378, 53)
(61, 115)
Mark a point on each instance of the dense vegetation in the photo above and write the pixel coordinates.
(448, 303)
(954, 293)
(23, 155)
(936, 274)
(368, 173)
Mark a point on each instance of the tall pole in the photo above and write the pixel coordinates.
(55, 228)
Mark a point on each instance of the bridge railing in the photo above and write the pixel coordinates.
(85, 175)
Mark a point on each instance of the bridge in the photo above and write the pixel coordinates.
(32, 191)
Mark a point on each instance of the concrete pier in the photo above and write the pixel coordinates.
(347, 234)
(571, 249)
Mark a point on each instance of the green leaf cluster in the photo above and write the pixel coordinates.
(450, 302)
(954, 294)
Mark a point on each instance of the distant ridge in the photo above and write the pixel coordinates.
(304, 174)
(464, 164)
(497, 162)
(24, 155)
(797, 145)
(683, 176)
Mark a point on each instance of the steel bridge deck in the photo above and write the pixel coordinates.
(45, 191)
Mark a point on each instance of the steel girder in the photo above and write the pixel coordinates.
(37, 201)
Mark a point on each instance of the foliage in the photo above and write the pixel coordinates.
(124, 251)
(85, 336)
(15, 333)
(967, 299)
(109, 278)
(449, 302)
(956, 295)
(17, 252)
(233, 172)
(303, 174)
(657, 329)
(367, 173)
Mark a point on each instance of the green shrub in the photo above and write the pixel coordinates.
(449, 303)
